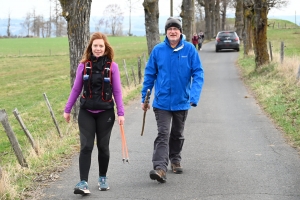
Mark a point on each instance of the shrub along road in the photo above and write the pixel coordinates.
(232, 150)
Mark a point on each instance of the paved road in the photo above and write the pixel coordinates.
(232, 150)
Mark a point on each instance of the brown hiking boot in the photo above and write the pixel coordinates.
(176, 168)
(159, 175)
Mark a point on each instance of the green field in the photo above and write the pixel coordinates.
(31, 67)
(28, 70)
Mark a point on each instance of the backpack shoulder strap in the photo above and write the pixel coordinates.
(107, 82)
(86, 76)
(107, 70)
(87, 68)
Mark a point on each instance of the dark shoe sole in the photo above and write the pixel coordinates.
(103, 189)
(82, 192)
(155, 176)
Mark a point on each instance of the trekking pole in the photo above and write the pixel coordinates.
(124, 145)
(146, 102)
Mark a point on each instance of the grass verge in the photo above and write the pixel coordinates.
(276, 88)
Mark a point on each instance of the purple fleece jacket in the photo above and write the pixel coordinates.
(116, 89)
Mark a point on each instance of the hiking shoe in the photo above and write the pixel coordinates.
(159, 175)
(176, 168)
(102, 183)
(82, 188)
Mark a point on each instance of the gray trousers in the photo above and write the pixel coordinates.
(168, 144)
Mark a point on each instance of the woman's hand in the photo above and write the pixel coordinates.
(67, 117)
(121, 120)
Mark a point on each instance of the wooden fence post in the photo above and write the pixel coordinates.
(126, 73)
(12, 138)
(281, 52)
(26, 131)
(52, 115)
(133, 76)
(139, 70)
(145, 62)
(298, 74)
(271, 54)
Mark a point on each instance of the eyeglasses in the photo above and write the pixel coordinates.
(172, 29)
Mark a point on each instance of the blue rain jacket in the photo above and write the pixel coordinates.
(176, 74)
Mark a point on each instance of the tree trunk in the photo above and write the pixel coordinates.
(217, 17)
(151, 23)
(212, 17)
(223, 23)
(207, 20)
(260, 32)
(188, 14)
(239, 18)
(247, 32)
(49, 22)
(8, 27)
(77, 15)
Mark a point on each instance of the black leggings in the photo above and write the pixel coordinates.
(91, 125)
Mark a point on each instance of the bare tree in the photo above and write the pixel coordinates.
(208, 19)
(247, 32)
(216, 18)
(131, 6)
(187, 14)
(27, 23)
(239, 17)
(113, 17)
(33, 27)
(48, 24)
(38, 25)
(151, 23)
(61, 27)
(129, 29)
(212, 17)
(57, 19)
(251, 16)
(224, 4)
(8, 26)
(77, 15)
(199, 17)
(255, 27)
(99, 23)
(277, 3)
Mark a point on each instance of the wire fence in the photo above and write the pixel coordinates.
(43, 120)
(281, 25)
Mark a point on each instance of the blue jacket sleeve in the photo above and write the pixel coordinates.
(197, 79)
(149, 75)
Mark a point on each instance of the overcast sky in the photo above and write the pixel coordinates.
(19, 8)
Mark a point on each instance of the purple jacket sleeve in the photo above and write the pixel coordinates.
(76, 90)
(117, 88)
